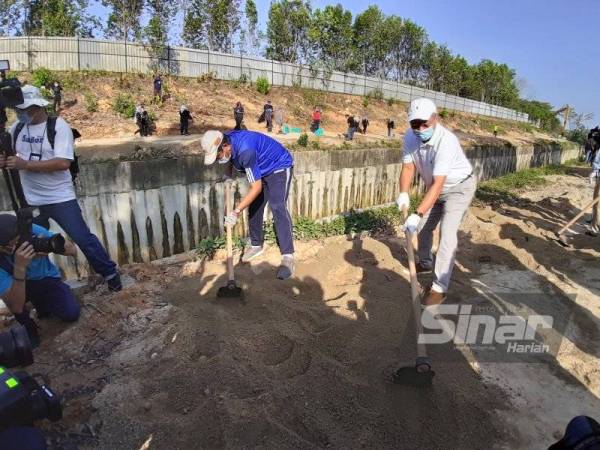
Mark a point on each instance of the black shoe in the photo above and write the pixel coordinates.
(114, 284)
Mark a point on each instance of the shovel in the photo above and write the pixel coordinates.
(419, 374)
(559, 233)
(231, 289)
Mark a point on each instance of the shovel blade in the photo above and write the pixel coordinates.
(416, 375)
(232, 290)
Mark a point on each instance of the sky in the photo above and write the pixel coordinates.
(553, 45)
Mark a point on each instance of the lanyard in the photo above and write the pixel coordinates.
(37, 155)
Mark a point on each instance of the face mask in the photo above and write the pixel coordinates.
(23, 117)
(424, 135)
(224, 160)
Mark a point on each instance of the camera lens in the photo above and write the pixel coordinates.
(15, 348)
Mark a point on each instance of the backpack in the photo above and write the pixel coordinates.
(51, 134)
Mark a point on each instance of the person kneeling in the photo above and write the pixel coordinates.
(29, 276)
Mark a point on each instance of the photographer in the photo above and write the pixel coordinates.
(44, 147)
(27, 276)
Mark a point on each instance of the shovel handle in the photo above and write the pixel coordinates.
(229, 230)
(414, 287)
(578, 216)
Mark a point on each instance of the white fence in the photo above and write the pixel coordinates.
(71, 53)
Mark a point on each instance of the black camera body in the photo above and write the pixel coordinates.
(52, 244)
(23, 400)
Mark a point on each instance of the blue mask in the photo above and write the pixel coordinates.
(424, 135)
(23, 117)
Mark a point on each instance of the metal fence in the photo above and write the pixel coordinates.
(71, 53)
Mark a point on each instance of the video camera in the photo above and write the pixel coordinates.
(10, 95)
(22, 398)
(53, 244)
(10, 92)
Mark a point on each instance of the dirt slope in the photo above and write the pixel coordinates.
(211, 103)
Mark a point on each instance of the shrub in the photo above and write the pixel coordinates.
(42, 77)
(124, 105)
(206, 77)
(91, 102)
(366, 102)
(443, 113)
(303, 140)
(376, 94)
(391, 101)
(262, 85)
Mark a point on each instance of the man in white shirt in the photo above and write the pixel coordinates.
(44, 147)
(436, 154)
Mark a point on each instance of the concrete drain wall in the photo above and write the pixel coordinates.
(145, 210)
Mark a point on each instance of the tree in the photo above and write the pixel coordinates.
(123, 22)
(9, 15)
(287, 30)
(46, 18)
(407, 41)
(212, 24)
(331, 38)
(542, 112)
(369, 40)
(250, 34)
(155, 34)
(496, 83)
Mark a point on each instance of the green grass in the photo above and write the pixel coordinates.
(507, 186)
(374, 220)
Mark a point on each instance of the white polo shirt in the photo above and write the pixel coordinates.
(45, 188)
(442, 155)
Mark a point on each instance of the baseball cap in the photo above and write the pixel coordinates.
(8, 228)
(210, 144)
(421, 109)
(31, 96)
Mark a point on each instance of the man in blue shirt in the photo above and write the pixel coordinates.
(27, 276)
(268, 166)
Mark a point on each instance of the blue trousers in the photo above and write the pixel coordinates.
(52, 297)
(68, 215)
(276, 189)
(22, 438)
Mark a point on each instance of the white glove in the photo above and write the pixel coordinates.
(403, 201)
(412, 223)
(232, 218)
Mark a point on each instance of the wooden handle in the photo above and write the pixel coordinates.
(414, 287)
(229, 230)
(576, 218)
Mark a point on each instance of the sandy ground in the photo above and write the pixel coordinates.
(306, 363)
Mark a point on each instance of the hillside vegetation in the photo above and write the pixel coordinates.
(101, 105)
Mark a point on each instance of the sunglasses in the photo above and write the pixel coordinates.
(417, 124)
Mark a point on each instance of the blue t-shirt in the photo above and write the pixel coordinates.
(38, 269)
(257, 154)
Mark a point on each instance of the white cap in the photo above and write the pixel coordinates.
(421, 109)
(31, 96)
(210, 144)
